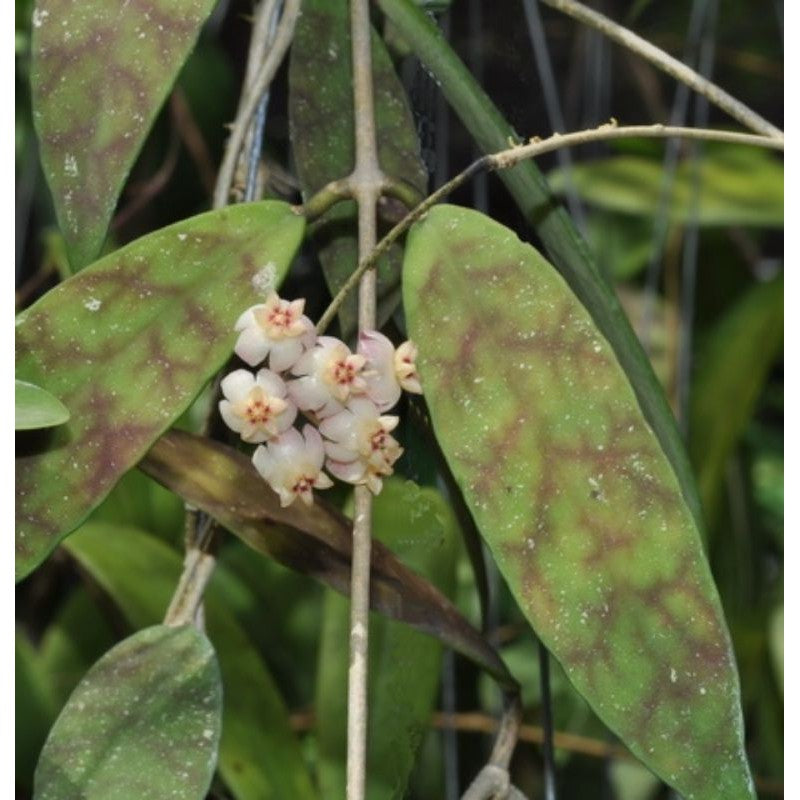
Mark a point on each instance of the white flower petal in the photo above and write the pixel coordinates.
(233, 421)
(284, 353)
(339, 452)
(307, 393)
(271, 382)
(247, 319)
(237, 385)
(363, 408)
(349, 472)
(313, 445)
(252, 345)
(339, 427)
(323, 481)
(264, 462)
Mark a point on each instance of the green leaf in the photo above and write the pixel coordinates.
(315, 540)
(552, 224)
(404, 664)
(737, 186)
(143, 722)
(35, 706)
(573, 494)
(73, 641)
(36, 408)
(126, 345)
(323, 138)
(99, 74)
(259, 757)
(732, 366)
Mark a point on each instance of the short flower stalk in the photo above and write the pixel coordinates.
(345, 394)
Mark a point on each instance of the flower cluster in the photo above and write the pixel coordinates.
(346, 394)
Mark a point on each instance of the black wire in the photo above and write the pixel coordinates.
(547, 724)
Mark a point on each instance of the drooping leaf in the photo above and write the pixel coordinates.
(100, 72)
(144, 722)
(576, 499)
(258, 755)
(552, 224)
(315, 540)
(732, 366)
(36, 408)
(404, 664)
(323, 137)
(737, 186)
(126, 345)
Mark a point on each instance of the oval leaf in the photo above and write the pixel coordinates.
(127, 344)
(36, 408)
(100, 71)
(259, 756)
(315, 540)
(144, 722)
(574, 496)
(323, 137)
(404, 664)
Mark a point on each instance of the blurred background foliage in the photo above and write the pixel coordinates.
(690, 237)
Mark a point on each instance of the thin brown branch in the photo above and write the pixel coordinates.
(478, 722)
(366, 183)
(513, 156)
(144, 191)
(192, 138)
(667, 63)
(252, 96)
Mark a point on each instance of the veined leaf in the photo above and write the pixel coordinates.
(144, 722)
(404, 664)
(323, 136)
(258, 755)
(126, 345)
(36, 408)
(571, 490)
(737, 186)
(315, 540)
(99, 74)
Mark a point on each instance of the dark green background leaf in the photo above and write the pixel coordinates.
(126, 345)
(323, 136)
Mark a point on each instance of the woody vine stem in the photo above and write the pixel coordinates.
(366, 184)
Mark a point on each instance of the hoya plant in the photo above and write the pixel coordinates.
(321, 446)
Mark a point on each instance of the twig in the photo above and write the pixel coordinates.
(366, 184)
(672, 66)
(144, 191)
(192, 138)
(252, 97)
(198, 566)
(513, 156)
(201, 532)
